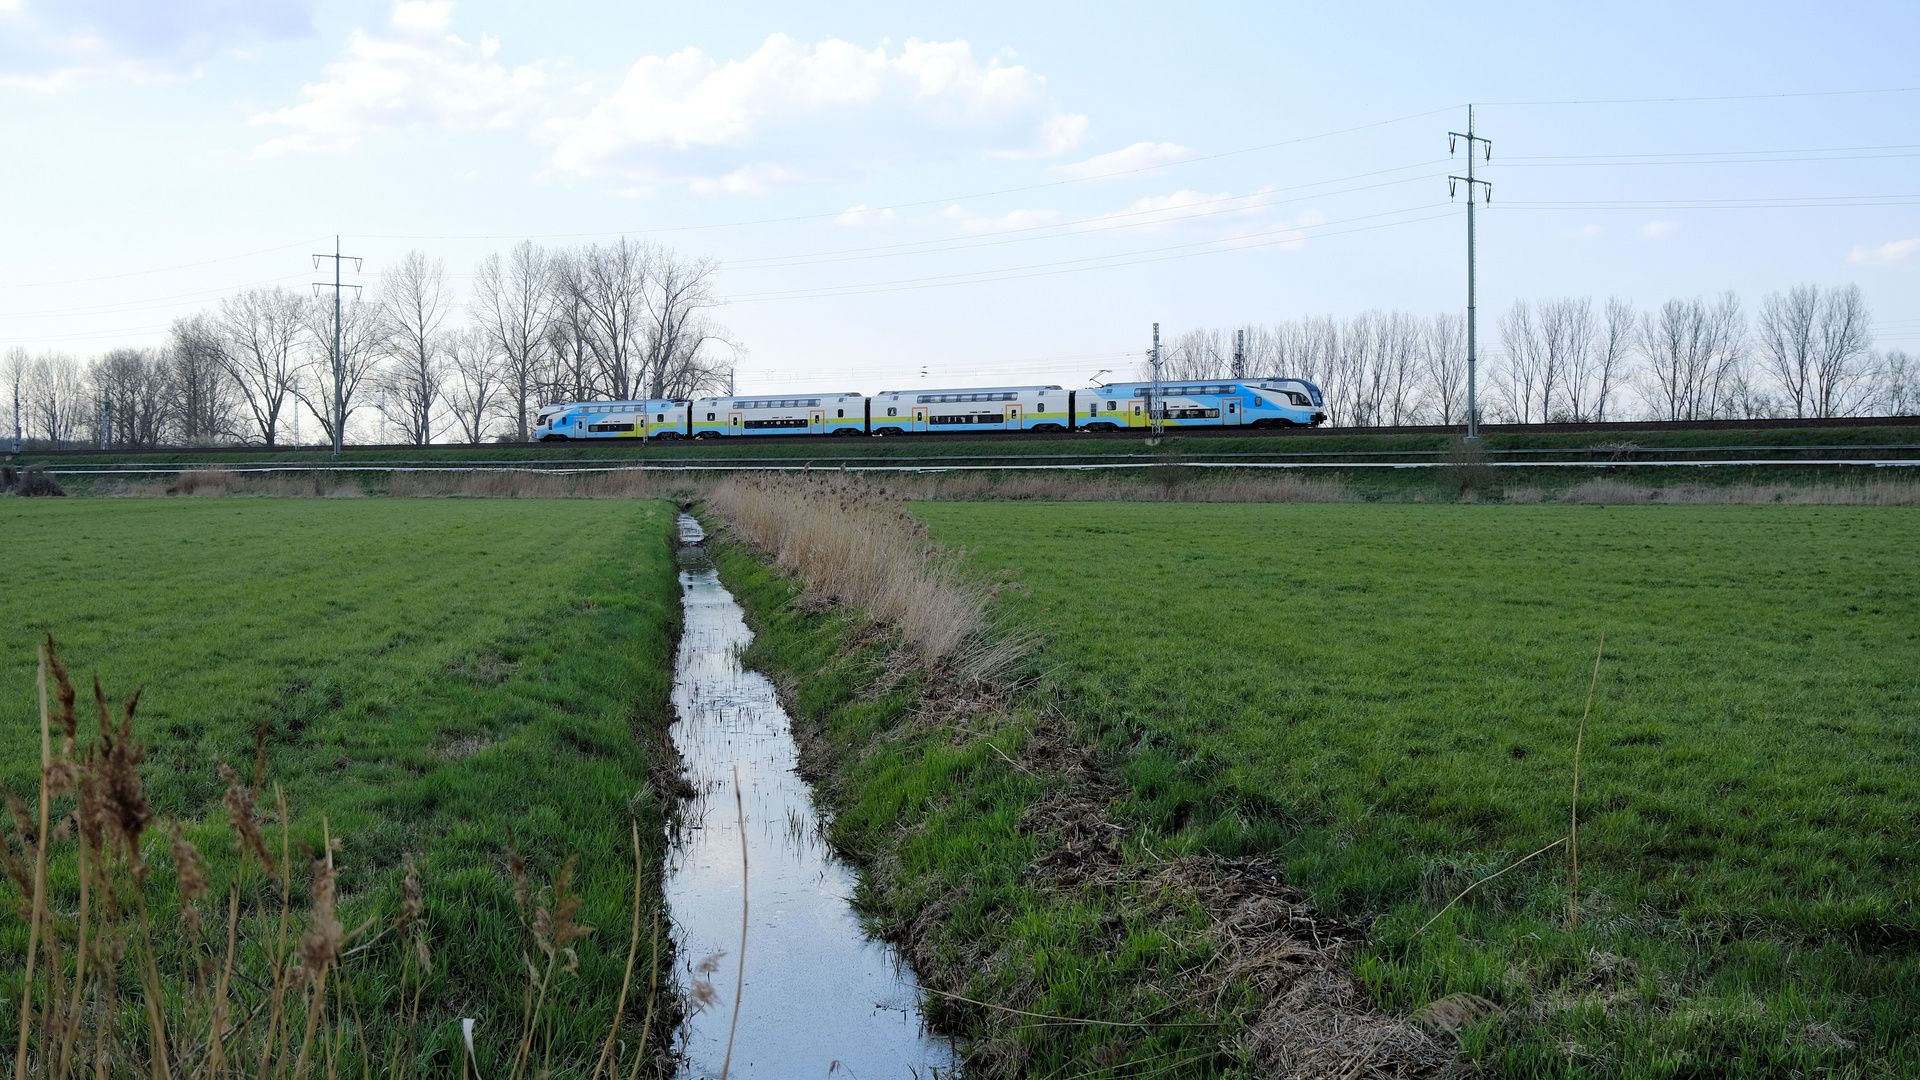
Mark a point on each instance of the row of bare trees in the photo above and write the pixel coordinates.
(628, 319)
(1809, 354)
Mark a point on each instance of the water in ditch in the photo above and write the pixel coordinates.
(820, 998)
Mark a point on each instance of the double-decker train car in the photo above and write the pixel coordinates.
(812, 414)
(974, 408)
(1215, 403)
(611, 420)
(1269, 402)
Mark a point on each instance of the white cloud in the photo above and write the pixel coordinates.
(1585, 232)
(416, 72)
(1658, 229)
(801, 110)
(865, 215)
(1141, 155)
(1895, 253)
(49, 46)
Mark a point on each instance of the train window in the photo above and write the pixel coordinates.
(1297, 399)
(660, 417)
(709, 416)
(842, 413)
(893, 412)
(1112, 405)
(1259, 402)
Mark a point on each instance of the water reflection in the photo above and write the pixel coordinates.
(820, 997)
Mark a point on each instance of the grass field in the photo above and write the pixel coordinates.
(1389, 695)
(432, 674)
(1386, 699)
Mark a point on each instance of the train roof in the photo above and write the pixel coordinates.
(625, 401)
(1252, 380)
(784, 396)
(963, 389)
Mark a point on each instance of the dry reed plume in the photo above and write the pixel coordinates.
(253, 995)
(855, 545)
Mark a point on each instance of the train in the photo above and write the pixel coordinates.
(1118, 406)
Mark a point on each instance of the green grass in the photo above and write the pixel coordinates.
(432, 673)
(1387, 696)
(1385, 699)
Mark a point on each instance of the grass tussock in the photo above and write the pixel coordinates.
(257, 973)
(855, 546)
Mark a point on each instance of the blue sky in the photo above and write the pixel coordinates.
(1041, 182)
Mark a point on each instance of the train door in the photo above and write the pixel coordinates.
(816, 421)
(1013, 418)
(1230, 412)
(736, 423)
(919, 418)
(1136, 413)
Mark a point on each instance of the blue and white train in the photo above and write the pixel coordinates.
(1269, 402)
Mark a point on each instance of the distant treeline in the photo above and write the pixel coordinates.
(620, 320)
(1808, 354)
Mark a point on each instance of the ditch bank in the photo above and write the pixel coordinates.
(1050, 938)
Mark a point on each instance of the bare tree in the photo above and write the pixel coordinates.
(132, 385)
(1611, 353)
(1526, 377)
(1695, 353)
(14, 369)
(414, 303)
(363, 343)
(1785, 335)
(1899, 379)
(58, 404)
(1843, 334)
(478, 388)
(199, 393)
(513, 302)
(1192, 355)
(261, 328)
(1568, 327)
(686, 352)
(570, 375)
(606, 298)
(1443, 355)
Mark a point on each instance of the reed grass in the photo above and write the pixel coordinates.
(106, 1008)
(856, 546)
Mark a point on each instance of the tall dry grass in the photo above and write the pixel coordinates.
(855, 545)
(255, 980)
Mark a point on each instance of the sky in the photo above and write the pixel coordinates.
(905, 194)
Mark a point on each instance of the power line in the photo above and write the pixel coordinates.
(1293, 236)
(1713, 97)
(157, 269)
(1055, 230)
(922, 202)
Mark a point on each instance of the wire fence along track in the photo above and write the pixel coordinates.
(788, 465)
